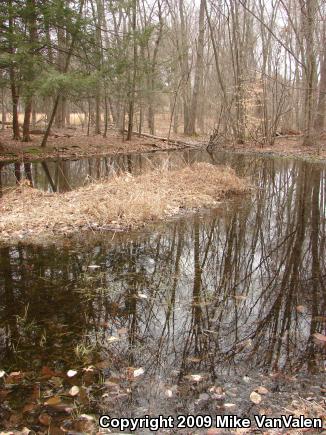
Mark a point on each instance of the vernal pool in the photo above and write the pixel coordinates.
(191, 316)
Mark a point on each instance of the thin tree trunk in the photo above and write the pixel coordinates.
(198, 72)
(133, 84)
(12, 77)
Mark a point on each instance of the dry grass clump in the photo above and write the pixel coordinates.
(122, 202)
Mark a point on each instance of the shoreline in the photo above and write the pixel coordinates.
(30, 215)
(79, 146)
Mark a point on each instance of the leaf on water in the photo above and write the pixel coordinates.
(194, 359)
(240, 297)
(112, 339)
(46, 371)
(45, 419)
(122, 331)
(255, 397)
(2, 373)
(142, 296)
(320, 319)
(74, 391)
(319, 339)
(139, 372)
(14, 377)
(194, 378)
(229, 405)
(301, 309)
(53, 401)
(71, 373)
(262, 390)
(100, 365)
(29, 407)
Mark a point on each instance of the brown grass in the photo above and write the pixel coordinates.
(122, 202)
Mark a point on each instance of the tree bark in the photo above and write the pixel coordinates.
(199, 71)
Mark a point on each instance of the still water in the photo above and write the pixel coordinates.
(235, 291)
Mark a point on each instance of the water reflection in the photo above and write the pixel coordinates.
(64, 175)
(226, 292)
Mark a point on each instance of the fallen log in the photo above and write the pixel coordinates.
(165, 139)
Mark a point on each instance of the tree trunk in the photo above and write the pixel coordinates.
(321, 106)
(3, 110)
(27, 120)
(12, 76)
(185, 71)
(309, 16)
(133, 83)
(199, 71)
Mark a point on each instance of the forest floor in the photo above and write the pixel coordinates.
(120, 203)
(73, 143)
(289, 146)
(67, 143)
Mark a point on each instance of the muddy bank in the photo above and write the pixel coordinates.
(123, 202)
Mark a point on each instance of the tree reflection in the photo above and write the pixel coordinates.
(231, 289)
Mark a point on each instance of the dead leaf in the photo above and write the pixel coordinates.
(194, 359)
(74, 391)
(29, 407)
(301, 309)
(194, 378)
(320, 319)
(46, 371)
(53, 401)
(142, 296)
(255, 398)
(14, 377)
(262, 390)
(122, 331)
(45, 419)
(240, 297)
(319, 339)
(139, 372)
(71, 373)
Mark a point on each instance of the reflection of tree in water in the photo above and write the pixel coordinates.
(222, 290)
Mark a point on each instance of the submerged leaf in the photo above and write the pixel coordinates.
(262, 390)
(139, 372)
(53, 401)
(194, 378)
(45, 419)
(255, 397)
(319, 338)
(301, 309)
(74, 391)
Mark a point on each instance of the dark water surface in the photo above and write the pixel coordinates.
(237, 291)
